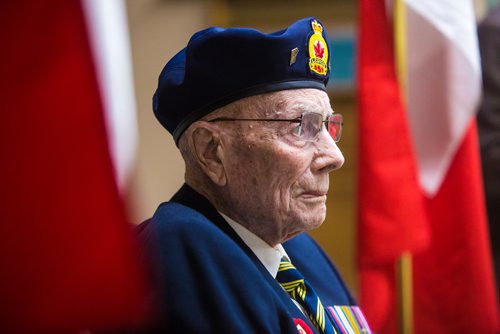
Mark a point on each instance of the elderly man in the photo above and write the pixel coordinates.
(251, 117)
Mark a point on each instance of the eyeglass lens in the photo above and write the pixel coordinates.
(311, 125)
(335, 126)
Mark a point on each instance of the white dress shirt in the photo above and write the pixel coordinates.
(269, 256)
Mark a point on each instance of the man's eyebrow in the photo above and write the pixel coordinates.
(303, 107)
(309, 107)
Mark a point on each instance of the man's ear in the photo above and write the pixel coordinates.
(205, 142)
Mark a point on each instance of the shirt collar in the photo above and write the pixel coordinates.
(269, 256)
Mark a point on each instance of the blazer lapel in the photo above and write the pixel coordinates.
(190, 198)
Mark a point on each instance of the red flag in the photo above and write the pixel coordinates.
(454, 290)
(66, 255)
(391, 208)
(446, 231)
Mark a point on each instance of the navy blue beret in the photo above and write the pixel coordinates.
(220, 66)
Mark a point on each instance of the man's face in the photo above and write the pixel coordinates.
(276, 182)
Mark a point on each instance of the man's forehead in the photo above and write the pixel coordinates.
(284, 104)
(301, 100)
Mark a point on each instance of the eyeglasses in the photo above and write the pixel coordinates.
(310, 124)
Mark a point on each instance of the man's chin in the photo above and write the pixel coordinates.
(303, 224)
(314, 220)
(314, 211)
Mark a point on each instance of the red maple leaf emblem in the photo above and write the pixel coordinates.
(319, 50)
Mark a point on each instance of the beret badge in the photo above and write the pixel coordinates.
(318, 50)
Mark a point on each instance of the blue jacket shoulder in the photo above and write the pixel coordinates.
(205, 282)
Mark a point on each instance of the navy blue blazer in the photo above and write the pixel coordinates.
(207, 280)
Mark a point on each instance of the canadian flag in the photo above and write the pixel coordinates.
(420, 187)
(67, 135)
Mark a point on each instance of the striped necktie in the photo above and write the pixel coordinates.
(300, 290)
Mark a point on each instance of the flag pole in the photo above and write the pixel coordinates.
(400, 46)
(405, 293)
(404, 264)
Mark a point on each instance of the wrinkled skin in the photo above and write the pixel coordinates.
(276, 184)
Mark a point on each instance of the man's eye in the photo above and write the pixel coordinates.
(297, 129)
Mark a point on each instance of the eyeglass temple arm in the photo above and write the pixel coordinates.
(224, 119)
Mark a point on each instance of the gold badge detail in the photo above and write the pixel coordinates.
(318, 50)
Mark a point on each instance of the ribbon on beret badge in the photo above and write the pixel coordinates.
(318, 50)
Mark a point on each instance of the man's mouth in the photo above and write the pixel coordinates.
(313, 195)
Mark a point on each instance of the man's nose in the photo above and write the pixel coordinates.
(327, 156)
